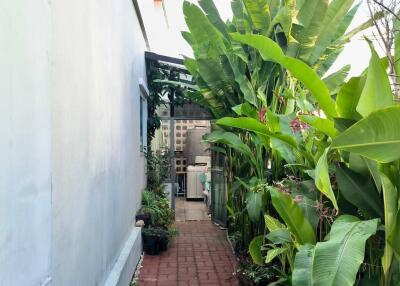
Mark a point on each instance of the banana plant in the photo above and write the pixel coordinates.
(374, 137)
(260, 75)
(229, 73)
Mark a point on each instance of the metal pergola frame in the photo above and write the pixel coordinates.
(179, 65)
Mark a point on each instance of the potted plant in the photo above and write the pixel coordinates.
(155, 240)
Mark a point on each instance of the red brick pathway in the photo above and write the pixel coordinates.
(200, 255)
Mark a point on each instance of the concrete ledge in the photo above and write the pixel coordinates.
(124, 267)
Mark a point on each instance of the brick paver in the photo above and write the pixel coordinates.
(200, 255)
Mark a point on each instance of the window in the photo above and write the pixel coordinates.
(142, 124)
(143, 115)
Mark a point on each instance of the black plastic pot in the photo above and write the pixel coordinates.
(163, 243)
(151, 244)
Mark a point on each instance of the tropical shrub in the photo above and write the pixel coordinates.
(313, 162)
(157, 170)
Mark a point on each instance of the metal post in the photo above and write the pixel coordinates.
(172, 159)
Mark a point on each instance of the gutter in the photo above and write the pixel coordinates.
(141, 23)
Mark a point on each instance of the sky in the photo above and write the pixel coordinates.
(165, 35)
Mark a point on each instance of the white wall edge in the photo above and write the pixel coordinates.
(143, 88)
(124, 268)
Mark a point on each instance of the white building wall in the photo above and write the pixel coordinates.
(71, 171)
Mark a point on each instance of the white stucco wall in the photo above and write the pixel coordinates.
(71, 171)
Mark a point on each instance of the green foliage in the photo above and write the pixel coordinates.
(270, 51)
(157, 170)
(359, 190)
(322, 178)
(377, 93)
(255, 249)
(157, 206)
(162, 83)
(335, 262)
(293, 216)
(376, 137)
(299, 148)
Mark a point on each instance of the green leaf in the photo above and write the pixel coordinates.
(396, 59)
(255, 249)
(245, 109)
(394, 234)
(348, 97)
(322, 179)
(377, 92)
(259, 13)
(323, 125)
(293, 216)
(207, 40)
(251, 124)
(213, 15)
(270, 51)
(335, 80)
(310, 17)
(335, 262)
(303, 266)
(310, 212)
(390, 199)
(363, 26)
(232, 140)
(284, 18)
(273, 253)
(376, 137)
(272, 223)
(254, 202)
(359, 190)
(279, 236)
(337, 11)
(373, 170)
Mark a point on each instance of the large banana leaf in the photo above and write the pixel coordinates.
(323, 125)
(310, 17)
(348, 97)
(376, 137)
(377, 92)
(259, 13)
(359, 190)
(329, 27)
(390, 198)
(322, 179)
(207, 40)
(394, 234)
(303, 266)
(396, 26)
(293, 217)
(251, 124)
(270, 51)
(335, 262)
(233, 141)
(213, 15)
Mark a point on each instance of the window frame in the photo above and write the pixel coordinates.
(143, 96)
